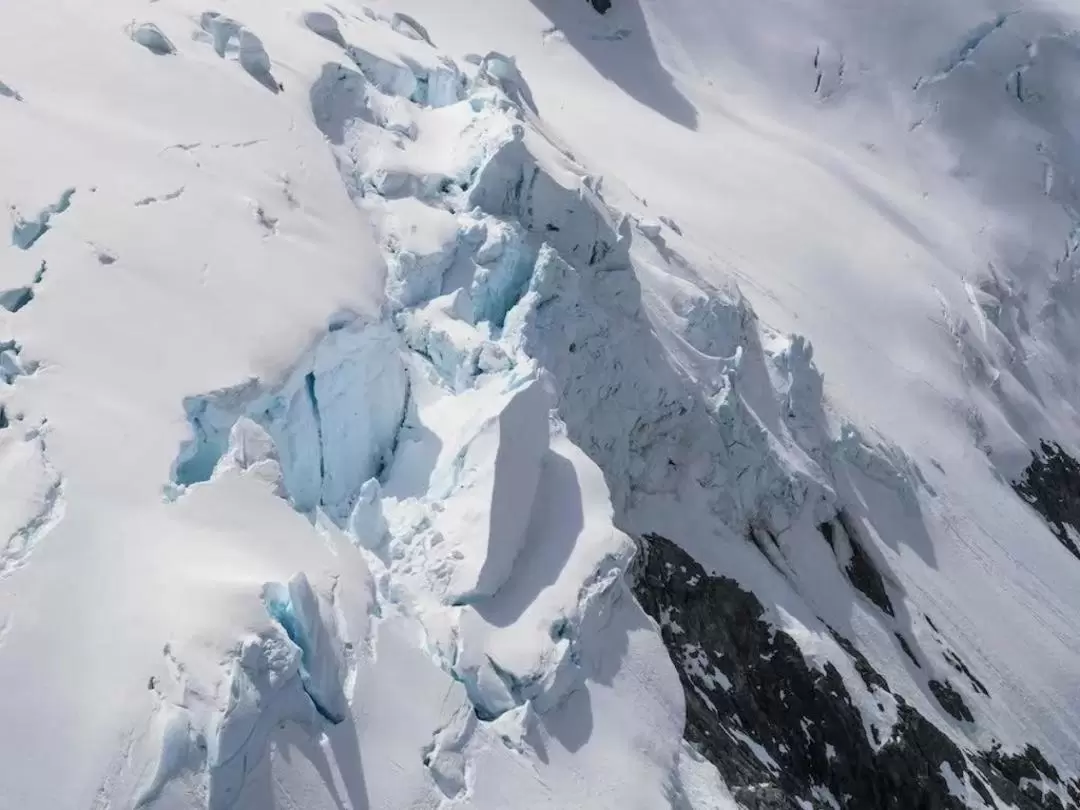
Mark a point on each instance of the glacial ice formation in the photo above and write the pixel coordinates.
(333, 421)
(310, 625)
(518, 401)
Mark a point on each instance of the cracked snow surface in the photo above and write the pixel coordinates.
(384, 450)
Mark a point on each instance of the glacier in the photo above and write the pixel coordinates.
(538, 404)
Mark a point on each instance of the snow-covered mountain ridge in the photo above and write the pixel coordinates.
(421, 399)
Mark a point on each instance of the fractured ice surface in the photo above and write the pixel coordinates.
(311, 626)
(333, 421)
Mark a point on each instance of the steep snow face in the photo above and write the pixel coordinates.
(346, 351)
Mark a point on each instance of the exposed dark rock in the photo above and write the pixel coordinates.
(1007, 772)
(957, 663)
(802, 716)
(601, 6)
(1051, 484)
(950, 700)
(907, 649)
(860, 569)
(748, 685)
(866, 578)
(870, 676)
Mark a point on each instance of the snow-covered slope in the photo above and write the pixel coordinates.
(508, 404)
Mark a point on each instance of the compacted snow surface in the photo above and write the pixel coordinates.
(504, 404)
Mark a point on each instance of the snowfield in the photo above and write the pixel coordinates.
(508, 404)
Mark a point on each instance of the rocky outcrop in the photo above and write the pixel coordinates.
(786, 735)
(860, 569)
(1016, 778)
(1051, 484)
(950, 700)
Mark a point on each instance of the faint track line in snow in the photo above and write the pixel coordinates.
(183, 147)
(238, 144)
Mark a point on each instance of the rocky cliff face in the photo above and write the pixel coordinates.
(787, 735)
(1051, 484)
